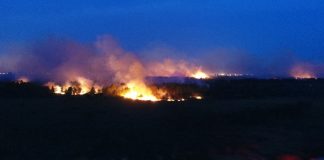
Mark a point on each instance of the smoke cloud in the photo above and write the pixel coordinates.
(105, 61)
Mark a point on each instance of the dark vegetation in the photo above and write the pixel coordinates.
(252, 88)
(20, 89)
(238, 119)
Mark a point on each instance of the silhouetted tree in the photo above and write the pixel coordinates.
(92, 91)
(52, 89)
(69, 91)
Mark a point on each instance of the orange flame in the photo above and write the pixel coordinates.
(134, 90)
(168, 67)
(200, 75)
(139, 91)
(80, 86)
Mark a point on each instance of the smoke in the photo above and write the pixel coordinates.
(124, 66)
(105, 61)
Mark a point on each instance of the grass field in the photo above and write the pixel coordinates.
(99, 127)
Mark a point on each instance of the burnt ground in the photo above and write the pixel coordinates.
(110, 128)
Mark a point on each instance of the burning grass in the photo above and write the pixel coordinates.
(134, 90)
(154, 92)
(80, 86)
(88, 69)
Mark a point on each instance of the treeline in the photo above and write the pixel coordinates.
(20, 89)
(215, 89)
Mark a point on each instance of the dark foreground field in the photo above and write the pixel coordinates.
(109, 128)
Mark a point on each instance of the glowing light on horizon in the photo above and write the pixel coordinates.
(200, 75)
(302, 72)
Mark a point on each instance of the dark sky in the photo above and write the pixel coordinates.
(259, 27)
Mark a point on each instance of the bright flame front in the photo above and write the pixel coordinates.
(80, 86)
(139, 91)
(200, 75)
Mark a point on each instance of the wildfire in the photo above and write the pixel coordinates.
(200, 75)
(304, 76)
(121, 73)
(23, 80)
(176, 68)
(80, 86)
(134, 90)
(302, 72)
(198, 97)
(139, 91)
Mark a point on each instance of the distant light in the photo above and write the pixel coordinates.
(198, 97)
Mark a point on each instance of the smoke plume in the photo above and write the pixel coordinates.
(105, 61)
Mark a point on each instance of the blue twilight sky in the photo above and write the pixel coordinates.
(258, 27)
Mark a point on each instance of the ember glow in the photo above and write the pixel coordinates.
(304, 76)
(23, 80)
(198, 97)
(302, 72)
(177, 68)
(55, 88)
(200, 75)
